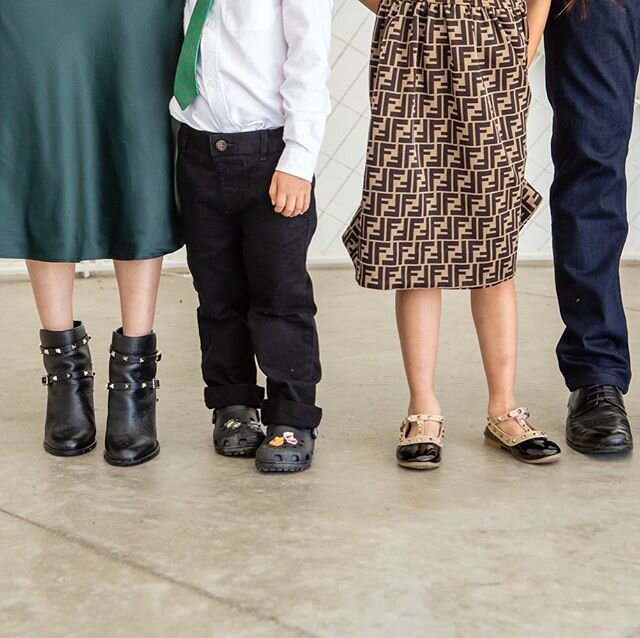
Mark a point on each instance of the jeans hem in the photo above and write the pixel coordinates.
(221, 396)
(285, 412)
(585, 380)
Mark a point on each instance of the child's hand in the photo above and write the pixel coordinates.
(290, 195)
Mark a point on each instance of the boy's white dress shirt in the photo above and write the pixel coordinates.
(264, 64)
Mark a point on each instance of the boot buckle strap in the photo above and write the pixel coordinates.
(136, 358)
(68, 349)
(154, 384)
(50, 379)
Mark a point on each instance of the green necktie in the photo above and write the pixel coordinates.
(186, 85)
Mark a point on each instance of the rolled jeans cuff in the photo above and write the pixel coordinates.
(292, 413)
(222, 396)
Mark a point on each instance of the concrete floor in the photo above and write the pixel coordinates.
(195, 545)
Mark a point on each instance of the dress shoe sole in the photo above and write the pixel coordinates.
(543, 461)
(419, 465)
(119, 463)
(56, 452)
(614, 449)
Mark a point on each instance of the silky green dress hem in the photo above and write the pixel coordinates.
(86, 153)
(13, 254)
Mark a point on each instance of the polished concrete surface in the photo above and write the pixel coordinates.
(197, 545)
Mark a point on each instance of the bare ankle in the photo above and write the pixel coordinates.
(424, 404)
(499, 407)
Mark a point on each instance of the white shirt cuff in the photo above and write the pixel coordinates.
(298, 161)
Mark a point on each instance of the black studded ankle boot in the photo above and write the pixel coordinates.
(70, 424)
(131, 436)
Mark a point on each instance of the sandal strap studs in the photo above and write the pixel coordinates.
(419, 421)
(521, 416)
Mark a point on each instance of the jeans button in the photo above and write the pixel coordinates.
(221, 146)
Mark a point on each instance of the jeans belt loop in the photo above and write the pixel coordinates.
(264, 145)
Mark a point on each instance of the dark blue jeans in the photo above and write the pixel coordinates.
(592, 66)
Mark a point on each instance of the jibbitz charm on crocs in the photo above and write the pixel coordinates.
(276, 441)
(290, 438)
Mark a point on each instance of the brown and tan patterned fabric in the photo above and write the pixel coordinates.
(445, 196)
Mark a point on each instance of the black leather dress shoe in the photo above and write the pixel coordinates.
(237, 431)
(597, 422)
(286, 449)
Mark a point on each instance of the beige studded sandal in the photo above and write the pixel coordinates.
(529, 446)
(417, 449)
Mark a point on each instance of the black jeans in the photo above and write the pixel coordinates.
(592, 66)
(249, 270)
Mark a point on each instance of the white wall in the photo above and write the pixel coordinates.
(341, 164)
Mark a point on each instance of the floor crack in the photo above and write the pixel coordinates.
(152, 571)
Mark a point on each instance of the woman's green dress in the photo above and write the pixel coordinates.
(85, 143)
